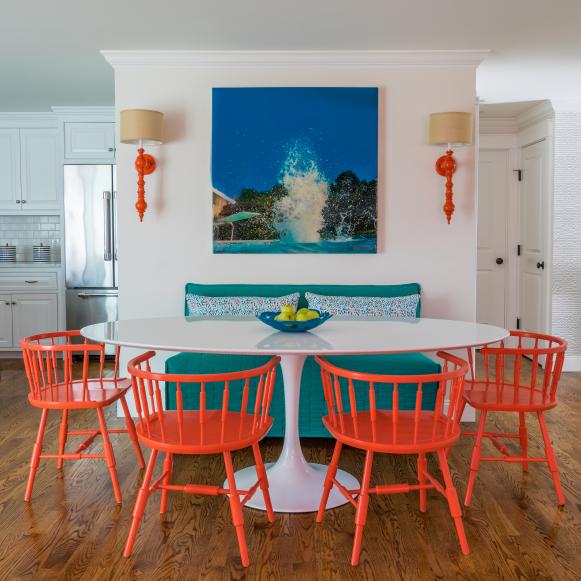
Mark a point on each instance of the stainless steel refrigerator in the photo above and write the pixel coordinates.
(90, 244)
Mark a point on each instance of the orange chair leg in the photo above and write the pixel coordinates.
(35, 458)
(263, 478)
(236, 508)
(453, 501)
(552, 461)
(140, 504)
(328, 484)
(422, 467)
(109, 455)
(132, 433)
(475, 461)
(63, 432)
(167, 468)
(523, 440)
(361, 511)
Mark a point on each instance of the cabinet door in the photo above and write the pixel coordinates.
(9, 169)
(38, 162)
(5, 321)
(90, 141)
(33, 313)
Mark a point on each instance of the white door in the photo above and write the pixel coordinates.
(9, 169)
(38, 160)
(90, 141)
(5, 321)
(493, 190)
(534, 222)
(33, 313)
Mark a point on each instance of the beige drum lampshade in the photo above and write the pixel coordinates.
(451, 128)
(141, 125)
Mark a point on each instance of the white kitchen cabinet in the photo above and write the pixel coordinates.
(10, 192)
(90, 141)
(6, 339)
(38, 169)
(33, 313)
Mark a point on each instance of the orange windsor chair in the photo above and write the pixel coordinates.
(510, 392)
(393, 431)
(48, 361)
(232, 426)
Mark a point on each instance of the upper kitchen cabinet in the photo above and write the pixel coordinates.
(38, 163)
(89, 141)
(28, 169)
(10, 191)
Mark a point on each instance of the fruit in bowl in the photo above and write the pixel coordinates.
(288, 313)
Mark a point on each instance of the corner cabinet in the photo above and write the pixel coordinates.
(28, 169)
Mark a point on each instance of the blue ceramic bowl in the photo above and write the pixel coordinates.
(293, 326)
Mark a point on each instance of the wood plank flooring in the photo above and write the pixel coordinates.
(72, 528)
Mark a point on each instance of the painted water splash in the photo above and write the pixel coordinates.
(298, 217)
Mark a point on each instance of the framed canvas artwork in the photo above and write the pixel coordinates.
(294, 170)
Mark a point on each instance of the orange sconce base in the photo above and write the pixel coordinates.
(446, 167)
(145, 165)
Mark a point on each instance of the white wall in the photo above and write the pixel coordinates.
(173, 245)
(566, 280)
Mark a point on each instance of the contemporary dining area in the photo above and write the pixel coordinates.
(378, 422)
(288, 295)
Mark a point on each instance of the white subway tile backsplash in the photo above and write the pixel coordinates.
(25, 231)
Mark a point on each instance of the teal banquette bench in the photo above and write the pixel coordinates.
(312, 403)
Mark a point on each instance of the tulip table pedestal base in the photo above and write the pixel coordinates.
(294, 484)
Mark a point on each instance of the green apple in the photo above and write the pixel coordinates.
(304, 311)
(302, 316)
(288, 309)
(284, 317)
(313, 315)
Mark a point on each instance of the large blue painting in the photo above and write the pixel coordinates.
(294, 170)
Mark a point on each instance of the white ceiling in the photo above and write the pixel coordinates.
(49, 51)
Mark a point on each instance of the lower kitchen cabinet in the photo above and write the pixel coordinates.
(26, 314)
(5, 321)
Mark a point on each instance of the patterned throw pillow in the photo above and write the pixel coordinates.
(396, 307)
(202, 306)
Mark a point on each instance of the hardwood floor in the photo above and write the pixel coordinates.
(72, 528)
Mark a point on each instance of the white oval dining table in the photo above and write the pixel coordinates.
(295, 485)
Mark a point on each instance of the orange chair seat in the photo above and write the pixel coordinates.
(431, 435)
(498, 397)
(214, 437)
(96, 393)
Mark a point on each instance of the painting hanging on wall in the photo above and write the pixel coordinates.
(294, 170)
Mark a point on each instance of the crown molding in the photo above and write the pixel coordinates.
(27, 115)
(497, 125)
(107, 112)
(535, 114)
(293, 58)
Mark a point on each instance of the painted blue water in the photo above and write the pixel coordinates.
(352, 246)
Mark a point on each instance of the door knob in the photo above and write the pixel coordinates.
(499, 261)
(541, 265)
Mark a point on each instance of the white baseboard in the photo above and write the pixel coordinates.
(572, 363)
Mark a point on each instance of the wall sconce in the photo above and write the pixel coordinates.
(142, 127)
(452, 130)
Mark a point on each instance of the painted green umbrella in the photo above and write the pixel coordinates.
(238, 217)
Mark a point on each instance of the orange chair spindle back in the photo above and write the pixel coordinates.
(48, 362)
(257, 387)
(345, 416)
(507, 355)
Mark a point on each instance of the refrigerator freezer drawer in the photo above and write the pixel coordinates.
(89, 306)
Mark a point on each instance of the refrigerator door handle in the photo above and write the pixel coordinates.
(89, 295)
(107, 229)
(115, 254)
